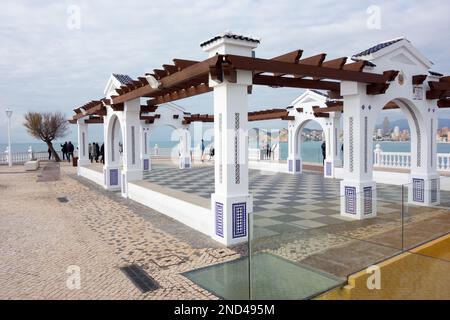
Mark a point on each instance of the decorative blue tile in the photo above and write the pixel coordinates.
(368, 200)
(291, 166)
(146, 164)
(328, 169)
(298, 165)
(219, 219)
(114, 177)
(239, 220)
(350, 200)
(418, 190)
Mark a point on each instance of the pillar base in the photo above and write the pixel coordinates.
(185, 162)
(358, 199)
(112, 177)
(294, 165)
(424, 190)
(146, 164)
(231, 218)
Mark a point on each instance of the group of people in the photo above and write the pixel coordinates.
(96, 152)
(67, 150)
(267, 152)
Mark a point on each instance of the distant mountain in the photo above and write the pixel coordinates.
(403, 124)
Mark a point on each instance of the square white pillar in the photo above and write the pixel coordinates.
(358, 189)
(231, 203)
(132, 166)
(83, 143)
(145, 148)
(294, 161)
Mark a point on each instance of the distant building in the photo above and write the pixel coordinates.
(386, 126)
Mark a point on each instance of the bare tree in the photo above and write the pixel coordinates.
(47, 127)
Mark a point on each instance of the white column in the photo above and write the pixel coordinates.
(132, 166)
(424, 188)
(145, 148)
(332, 155)
(358, 189)
(83, 143)
(185, 148)
(231, 203)
(294, 160)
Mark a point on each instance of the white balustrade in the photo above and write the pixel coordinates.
(402, 160)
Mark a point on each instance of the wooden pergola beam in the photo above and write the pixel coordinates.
(186, 74)
(336, 108)
(419, 79)
(443, 103)
(264, 65)
(295, 83)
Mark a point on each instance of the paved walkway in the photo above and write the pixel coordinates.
(41, 237)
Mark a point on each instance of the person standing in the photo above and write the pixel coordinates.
(268, 151)
(49, 154)
(90, 151)
(70, 150)
(94, 151)
(97, 152)
(324, 151)
(102, 152)
(64, 150)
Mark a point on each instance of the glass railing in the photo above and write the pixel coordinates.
(300, 246)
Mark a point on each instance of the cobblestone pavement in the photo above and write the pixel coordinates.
(41, 237)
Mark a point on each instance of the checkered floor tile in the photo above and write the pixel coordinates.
(281, 202)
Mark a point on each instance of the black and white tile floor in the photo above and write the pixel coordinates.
(282, 203)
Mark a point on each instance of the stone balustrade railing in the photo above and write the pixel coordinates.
(22, 157)
(402, 160)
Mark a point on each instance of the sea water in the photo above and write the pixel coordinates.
(311, 150)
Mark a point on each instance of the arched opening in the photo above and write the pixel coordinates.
(397, 136)
(310, 136)
(115, 141)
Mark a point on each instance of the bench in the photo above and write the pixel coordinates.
(31, 165)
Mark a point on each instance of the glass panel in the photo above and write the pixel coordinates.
(301, 245)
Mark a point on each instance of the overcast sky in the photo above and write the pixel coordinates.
(45, 65)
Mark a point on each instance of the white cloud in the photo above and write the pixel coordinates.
(46, 66)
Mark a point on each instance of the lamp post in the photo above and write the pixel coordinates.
(8, 115)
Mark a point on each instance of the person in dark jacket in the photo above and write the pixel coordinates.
(324, 149)
(70, 150)
(64, 150)
(49, 153)
(102, 152)
(97, 152)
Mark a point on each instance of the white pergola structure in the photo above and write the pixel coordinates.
(390, 75)
(312, 106)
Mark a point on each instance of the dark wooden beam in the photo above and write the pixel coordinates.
(443, 103)
(442, 86)
(336, 108)
(437, 94)
(94, 120)
(183, 64)
(264, 65)
(295, 83)
(356, 66)
(118, 106)
(292, 57)
(419, 79)
(170, 69)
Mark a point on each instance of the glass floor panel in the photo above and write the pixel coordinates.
(273, 278)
